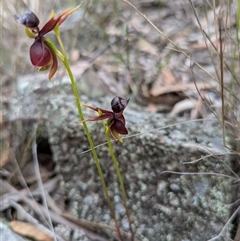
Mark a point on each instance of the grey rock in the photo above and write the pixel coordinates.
(163, 206)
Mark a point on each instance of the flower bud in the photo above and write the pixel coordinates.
(119, 104)
(29, 19)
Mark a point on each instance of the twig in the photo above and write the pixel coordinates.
(222, 82)
(198, 173)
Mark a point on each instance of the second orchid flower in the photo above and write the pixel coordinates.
(115, 119)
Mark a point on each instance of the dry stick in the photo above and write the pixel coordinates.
(221, 79)
(168, 39)
(200, 173)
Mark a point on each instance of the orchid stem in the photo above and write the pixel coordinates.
(94, 153)
(120, 180)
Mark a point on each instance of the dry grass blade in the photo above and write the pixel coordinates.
(200, 174)
(222, 81)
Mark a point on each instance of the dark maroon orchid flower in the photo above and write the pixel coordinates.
(42, 54)
(116, 120)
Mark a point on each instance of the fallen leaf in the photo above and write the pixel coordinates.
(30, 231)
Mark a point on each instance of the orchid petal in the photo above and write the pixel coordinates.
(115, 135)
(120, 118)
(63, 16)
(53, 67)
(98, 118)
(40, 54)
(97, 109)
(50, 25)
(44, 68)
(119, 127)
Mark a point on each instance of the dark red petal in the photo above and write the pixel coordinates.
(49, 26)
(100, 117)
(97, 109)
(119, 127)
(120, 118)
(40, 54)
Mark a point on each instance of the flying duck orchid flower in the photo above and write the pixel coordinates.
(43, 53)
(115, 118)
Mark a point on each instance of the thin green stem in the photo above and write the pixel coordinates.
(94, 153)
(115, 163)
(57, 33)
